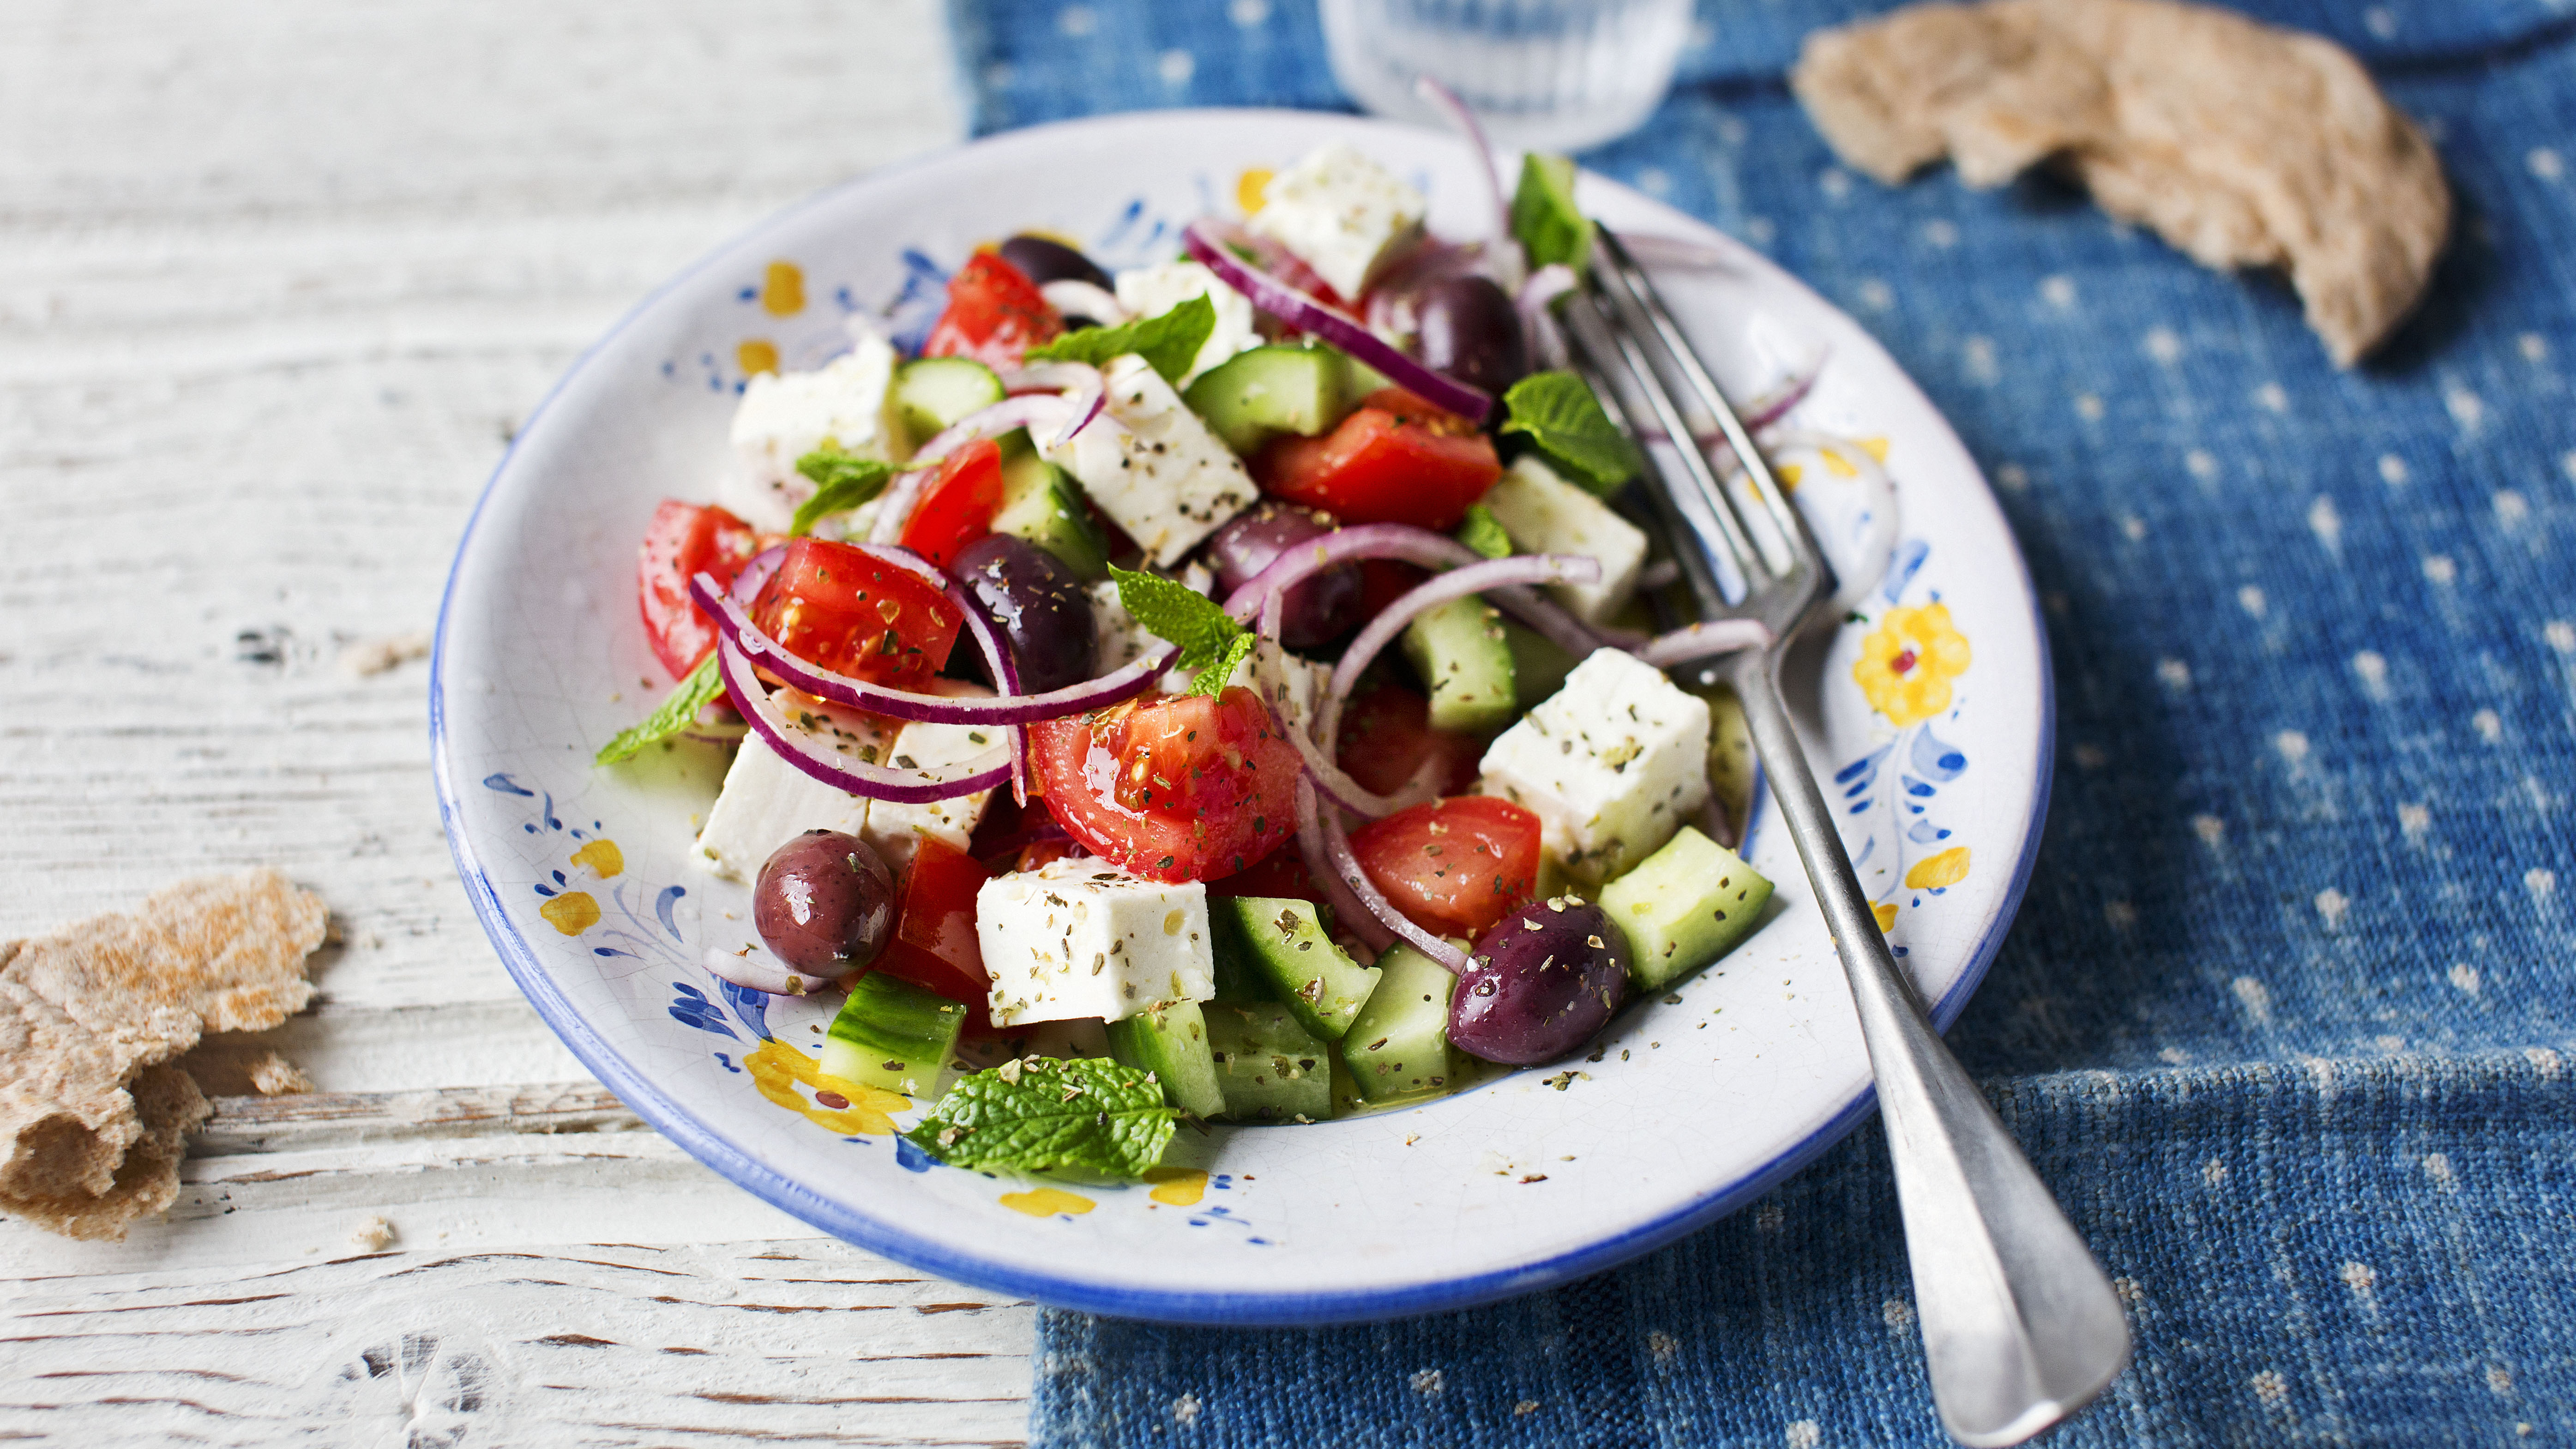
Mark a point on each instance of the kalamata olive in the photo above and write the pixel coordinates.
(824, 903)
(1469, 329)
(1316, 611)
(1539, 984)
(1043, 261)
(1038, 605)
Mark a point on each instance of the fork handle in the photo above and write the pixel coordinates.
(2020, 1327)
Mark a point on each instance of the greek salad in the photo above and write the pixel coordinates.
(1234, 666)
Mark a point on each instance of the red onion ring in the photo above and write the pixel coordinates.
(1347, 871)
(734, 623)
(1702, 641)
(894, 507)
(1528, 568)
(1508, 260)
(1349, 910)
(1085, 392)
(1301, 311)
(1269, 680)
(1005, 669)
(876, 782)
(1408, 544)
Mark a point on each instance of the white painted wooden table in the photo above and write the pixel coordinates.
(277, 282)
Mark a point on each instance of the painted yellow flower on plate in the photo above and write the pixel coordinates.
(1908, 661)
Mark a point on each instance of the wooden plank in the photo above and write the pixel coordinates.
(284, 278)
(794, 1342)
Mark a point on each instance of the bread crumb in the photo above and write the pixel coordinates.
(274, 1076)
(375, 656)
(2242, 144)
(373, 1236)
(91, 1112)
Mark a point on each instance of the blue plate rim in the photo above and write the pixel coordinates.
(1237, 1309)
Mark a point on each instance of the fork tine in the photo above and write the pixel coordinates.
(1721, 542)
(1644, 307)
(1706, 509)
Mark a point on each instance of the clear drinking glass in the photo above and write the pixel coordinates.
(1553, 75)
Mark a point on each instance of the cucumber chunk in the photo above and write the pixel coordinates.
(1539, 665)
(1171, 1041)
(892, 1034)
(1257, 395)
(1464, 656)
(1042, 504)
(1293, 962)
(1683, 907)
(933, 393)
(1398, 1045)
(1268, 1067)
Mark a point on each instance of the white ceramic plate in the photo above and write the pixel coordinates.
(1693, 1106)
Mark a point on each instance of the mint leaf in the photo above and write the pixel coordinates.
(1177, 614)
(1484, 533)
(1211, 681)
(1169, 342)
(1543, 214)
(841, 483)
(1557, 411)
(1039, 1113)
(703, 687)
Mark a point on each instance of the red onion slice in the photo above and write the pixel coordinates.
(1529, 568)
(1407, 544)
(733, 622)
(1349, 910)
(1270, 681)
(876, 782)
(1303, 312)
(1508, 261)
(1005, 669)
(1085, 392)
(894, 508)
(1702, 641)
(762, 972)
(1347, 871)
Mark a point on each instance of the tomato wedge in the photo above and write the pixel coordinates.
(995, 315)
(1454, 866)
(958, 506)
(683, 540)
(934, 945)
(833, 605)
(1397, 459)
(1387, 739)
(1171, 787)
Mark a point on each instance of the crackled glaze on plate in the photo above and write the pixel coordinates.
(1926, 715)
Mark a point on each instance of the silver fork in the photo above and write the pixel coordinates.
(2020, 1327)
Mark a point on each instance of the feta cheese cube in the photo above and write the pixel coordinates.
(1160, 474)
(1612, 765)
(1342, 214)
(1545, 514)
(1080, 938)
(897, 830)
(784, 416)
(1152, 291)
(767, 802)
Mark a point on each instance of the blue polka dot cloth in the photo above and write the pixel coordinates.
(2288, 1018)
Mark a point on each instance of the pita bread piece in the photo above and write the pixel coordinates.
(90, 1120)
(2242, 144)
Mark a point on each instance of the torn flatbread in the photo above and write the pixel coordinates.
(274, 1076)
(2242, 144)
(90, 1119)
